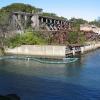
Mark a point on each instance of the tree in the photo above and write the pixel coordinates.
(95, 22)
(75, 23)
(49, 14)
(28, 38)
(4, 27)
(73, 37)
(20, 7)
(81, 38)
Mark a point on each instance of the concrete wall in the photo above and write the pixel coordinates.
(39, 50)
(88, 28)
(49, 50)
(84, 49)
(90, 47)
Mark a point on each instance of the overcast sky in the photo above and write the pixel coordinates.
(86, 9)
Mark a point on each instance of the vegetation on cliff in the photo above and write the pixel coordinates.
(76, 38)
(28, 38)
(21, 7)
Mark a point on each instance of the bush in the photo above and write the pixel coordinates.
(28, 38)
(1, 51)
(72, 37)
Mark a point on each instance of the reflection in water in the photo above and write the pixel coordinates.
(37, 81)
(73, 69)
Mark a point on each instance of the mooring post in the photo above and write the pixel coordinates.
(73, 51)
(82, 50)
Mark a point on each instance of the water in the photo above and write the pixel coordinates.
(32, 80)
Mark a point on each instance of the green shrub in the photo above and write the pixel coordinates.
(72, 37)
(28, 38)
(1, 51)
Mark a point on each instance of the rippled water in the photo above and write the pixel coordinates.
(32, 80)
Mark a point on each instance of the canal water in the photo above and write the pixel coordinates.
(32, 80)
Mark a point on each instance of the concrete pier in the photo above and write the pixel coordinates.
(90, 47)
(39, 50)
(51, 51)
(84, 49)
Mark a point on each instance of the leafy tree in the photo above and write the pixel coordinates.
(75, 23)
(95, 22)
(72, 37)
(81, 38)
(28, 38)
(20, 7)
(49, 14)
(4, 27)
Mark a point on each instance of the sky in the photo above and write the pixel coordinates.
(86, 9)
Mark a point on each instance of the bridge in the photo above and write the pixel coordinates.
(20, 20)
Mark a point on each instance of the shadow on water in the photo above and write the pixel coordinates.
(9, 97)
(73, 69)
(35, 88)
